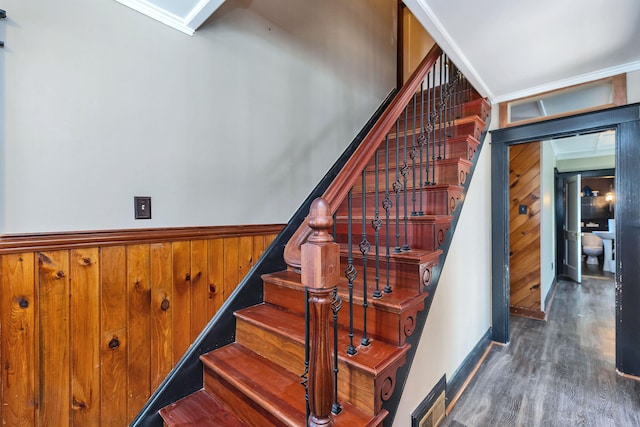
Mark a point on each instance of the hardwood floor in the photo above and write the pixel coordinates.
(555, 373)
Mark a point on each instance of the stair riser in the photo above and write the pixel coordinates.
(354, 385)
(478, 107)
(419, 235)
(447, 171)
(461, 128)
(388, 326)
(245, 408)
(451, 148)
(435, 201)
(403, 276)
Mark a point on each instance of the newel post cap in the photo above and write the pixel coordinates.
(320, 257)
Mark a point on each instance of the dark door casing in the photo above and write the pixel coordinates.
(625, 121)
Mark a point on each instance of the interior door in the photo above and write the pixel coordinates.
(572, 229)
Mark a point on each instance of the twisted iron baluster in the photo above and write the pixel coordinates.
(440, 111)
(434, 120)
(404, 171)
(305, 374)
(350, 273)
(413, 154)
(386, 205)
(336, 305)
(376, 223)
(421, 140)
(365, 247)
(397, 187)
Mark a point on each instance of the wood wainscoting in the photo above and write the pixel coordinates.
(91, 322)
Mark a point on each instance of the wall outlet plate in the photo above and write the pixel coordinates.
(142, 207)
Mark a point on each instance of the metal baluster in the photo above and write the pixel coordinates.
(336, 305)
(365, 247)
(397, 187)
(445, 100)
(377, 223)
(350, 273)
(305, 375)
(434, 119)
(387, 204)
(413, 154)
(439, 110)
(404, 171)
(421, 140)
(428, 128)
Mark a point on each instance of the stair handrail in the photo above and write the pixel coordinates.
(339, 188)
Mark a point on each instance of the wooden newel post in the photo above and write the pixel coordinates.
(320, 262)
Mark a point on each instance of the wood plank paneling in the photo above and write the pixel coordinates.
(54, 337)
(199, 287)
(181, 298)
(231, 264)
(216, 275)
(113, 345)
(18, 305)
(85, 336)
(89, 331)
(524, 237)
(161, 312)
(138, 327)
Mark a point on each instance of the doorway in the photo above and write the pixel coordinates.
(626, 123)
(596, 211)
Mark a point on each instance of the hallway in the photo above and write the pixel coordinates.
(555, 373)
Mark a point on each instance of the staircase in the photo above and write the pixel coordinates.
(256, 380)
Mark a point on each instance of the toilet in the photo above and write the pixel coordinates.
(592, 247)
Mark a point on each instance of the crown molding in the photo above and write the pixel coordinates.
(572, 81)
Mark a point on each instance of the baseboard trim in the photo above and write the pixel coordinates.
(467, 369)
(14, 243)
(530, 313)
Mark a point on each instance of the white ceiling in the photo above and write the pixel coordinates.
(584, 146)
(508, 49)
(511, 49)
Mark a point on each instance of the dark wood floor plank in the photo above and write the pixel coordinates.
(555, 373)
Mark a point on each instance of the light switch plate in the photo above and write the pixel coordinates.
(142, 207)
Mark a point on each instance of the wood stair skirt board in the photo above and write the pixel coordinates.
(256, 380)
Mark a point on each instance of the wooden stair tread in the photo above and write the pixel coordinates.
(394, 302)
(461, 121)
(272, 387)
(373, 358)
(199, 409)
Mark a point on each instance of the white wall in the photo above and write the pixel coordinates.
(633, 87)
(461, 310)
(547, 221)
(234, 125)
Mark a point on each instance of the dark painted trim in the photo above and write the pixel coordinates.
(428, 401)
(402, 374)
(500, 288)
(566, 126)
(467, 366)
(627, 248)
(186, 377)
(626, 121)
